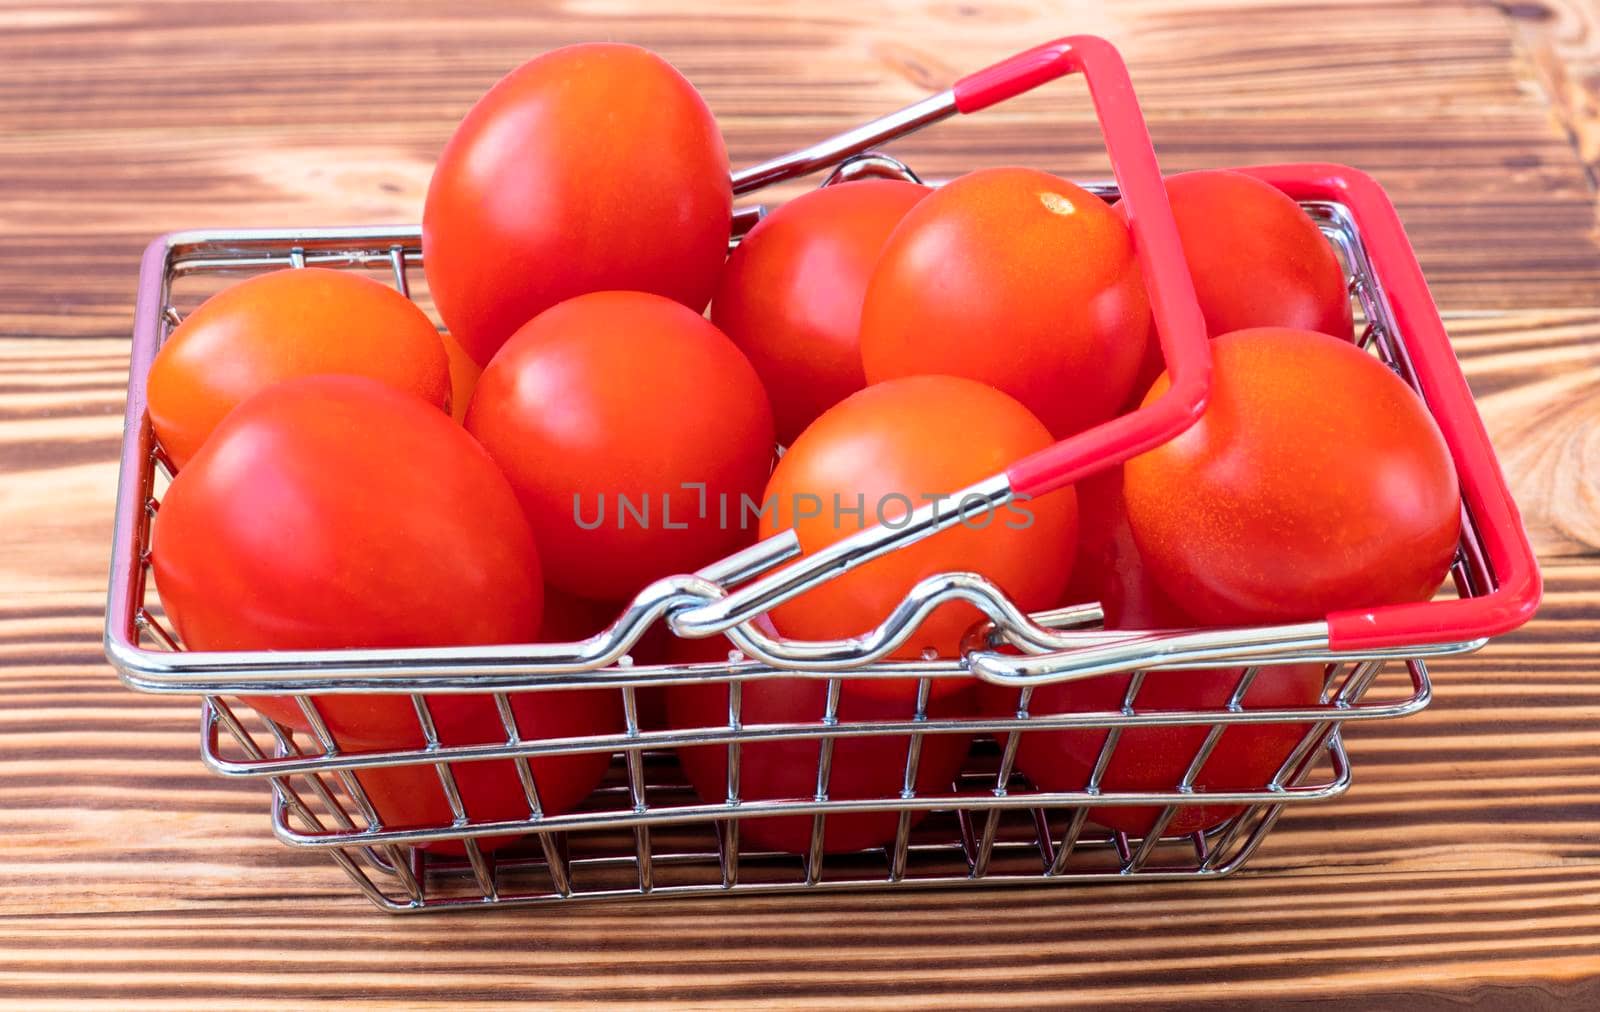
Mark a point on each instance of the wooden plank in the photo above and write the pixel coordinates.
(1537, 383)
(272, 114)
(1561, 40)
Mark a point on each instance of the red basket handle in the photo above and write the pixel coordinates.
(1179, 323)
(1518, 588)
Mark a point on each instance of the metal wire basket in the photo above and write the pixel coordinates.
(644, 830)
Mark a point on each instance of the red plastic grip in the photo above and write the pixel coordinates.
(1179, 324)
(1022, 72)
(1517, 586)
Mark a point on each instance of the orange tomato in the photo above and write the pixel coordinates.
(1018, 279)
(464, 373)
(1156, 758)
(1110, 570)
(410, 797)
(281, 325)
(894, 446)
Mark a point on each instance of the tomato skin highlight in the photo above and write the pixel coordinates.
(905, 440)
(1316, 481)
(792, 292)
(1015, 278)
(590, 168)
(625, 395)
(280, 325)
(862, 767)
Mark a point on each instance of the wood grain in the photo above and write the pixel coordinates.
(1462, 868)
(125, 120)
(1562, 42)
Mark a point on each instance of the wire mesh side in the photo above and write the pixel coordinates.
(1029, 845)
(644, 831)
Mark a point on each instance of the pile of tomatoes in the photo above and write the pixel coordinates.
(349, 476)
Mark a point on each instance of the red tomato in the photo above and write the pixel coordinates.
(897, 445)
(1021, 280)
(1256, 258)
(1153, 759)
(600, 411)
(334, 511)
(791, 295)
(862, 767)
(281, 325)
(412, 797)
(1105, 545)
(1316, 481)
(592, 167)
(334, 475)
(568, 619)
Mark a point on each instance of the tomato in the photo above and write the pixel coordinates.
(411, 797)
(1153, 759)
(335, 511)
(605, 411)
(464, 373)
(592, 167)
(568, 619)
(1018, 279)
(1256, 258)
(901, 444)
(1316, 481)
(283, 324)
(867, 767)
(792, 292)
(1105, 545)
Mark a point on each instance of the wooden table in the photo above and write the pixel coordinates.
(1464, 865)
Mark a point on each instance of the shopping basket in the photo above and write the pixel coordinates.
(644, 832)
